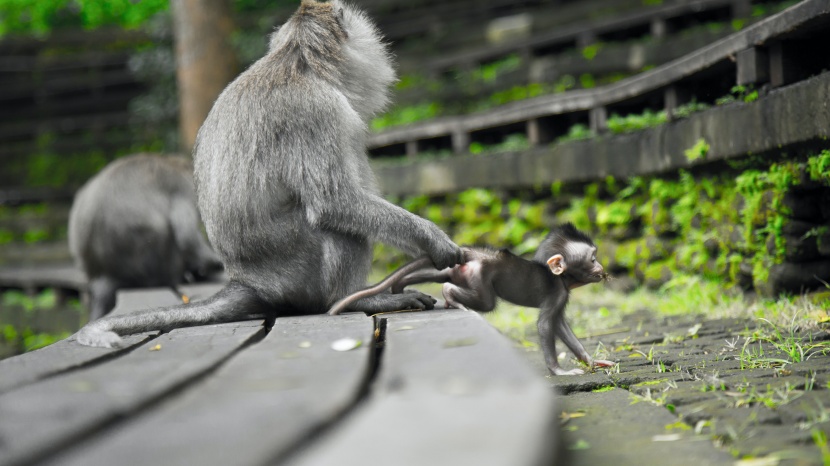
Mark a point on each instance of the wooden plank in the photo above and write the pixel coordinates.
(200, 291)
(137, 299)
(255, 408)
(38, 419)
(66, 354)
(53, 275)
(451, 390)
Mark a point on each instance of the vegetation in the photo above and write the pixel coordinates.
(695, 241)
(36, 321)
(40, 17)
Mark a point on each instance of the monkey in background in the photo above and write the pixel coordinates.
(566, 259)
(285, 189)
(135, 224)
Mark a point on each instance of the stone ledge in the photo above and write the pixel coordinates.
(791, 116)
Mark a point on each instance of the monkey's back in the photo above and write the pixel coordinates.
(281, 141)
(521, 281)
(120, 221)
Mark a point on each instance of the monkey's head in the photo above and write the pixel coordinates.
(571, 254)
(339, 43)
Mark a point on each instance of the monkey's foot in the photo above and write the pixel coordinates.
(604, 363)
(409, 299)
(559, 371)
(99, 338)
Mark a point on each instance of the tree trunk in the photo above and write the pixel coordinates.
(205, 60)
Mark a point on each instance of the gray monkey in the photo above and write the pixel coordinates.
(135, 224)
(285, 189)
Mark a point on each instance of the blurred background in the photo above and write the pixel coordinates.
(83, 82)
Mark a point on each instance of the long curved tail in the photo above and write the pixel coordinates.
(233, 302)
(387, 282)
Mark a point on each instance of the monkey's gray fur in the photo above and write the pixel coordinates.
(285, 188)
(135, 224)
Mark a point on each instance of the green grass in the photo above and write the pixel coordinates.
(595, 308)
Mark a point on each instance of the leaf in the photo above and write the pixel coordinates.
(346, 344)
(460, 342)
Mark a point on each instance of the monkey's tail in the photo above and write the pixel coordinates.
(388, 282)
(232, 303)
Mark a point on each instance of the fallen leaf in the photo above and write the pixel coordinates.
(580, 445)
(346, 344)
(460, 342)
(566, 416)
(155, 348)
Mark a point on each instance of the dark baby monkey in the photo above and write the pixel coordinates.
(565, 260)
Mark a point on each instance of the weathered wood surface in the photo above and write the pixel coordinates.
(58, 276)
(256, 408)
(451, 390)
(66, 354)
(423, 388)
(52, 414)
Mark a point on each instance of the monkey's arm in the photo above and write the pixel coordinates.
(550, 320)
(564, 332)
(335, 186)
(552, 324)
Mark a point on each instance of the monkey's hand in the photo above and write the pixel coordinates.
(445, 254)
(409, 299)
(90, 335)
(557, 370)
(603, 363)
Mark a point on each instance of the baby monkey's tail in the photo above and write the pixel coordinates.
(388, 282)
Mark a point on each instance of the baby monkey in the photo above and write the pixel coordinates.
(566, 259)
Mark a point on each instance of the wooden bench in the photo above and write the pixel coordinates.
(439, 387)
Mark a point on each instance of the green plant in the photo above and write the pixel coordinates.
(589, 52)
(40, 17)
(576, 132)
(820, 440)
(407, 115)
(738, 24)
(739, 93)
(698, 151)
(634, 122)
(490, 72)
(513, 142)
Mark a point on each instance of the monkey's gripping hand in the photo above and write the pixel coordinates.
(444, 253)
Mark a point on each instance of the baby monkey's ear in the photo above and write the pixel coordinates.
(557, 264)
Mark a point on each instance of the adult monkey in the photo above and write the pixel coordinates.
(134, 225)
(285, 188)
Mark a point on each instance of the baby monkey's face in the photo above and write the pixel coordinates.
(579, 264)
